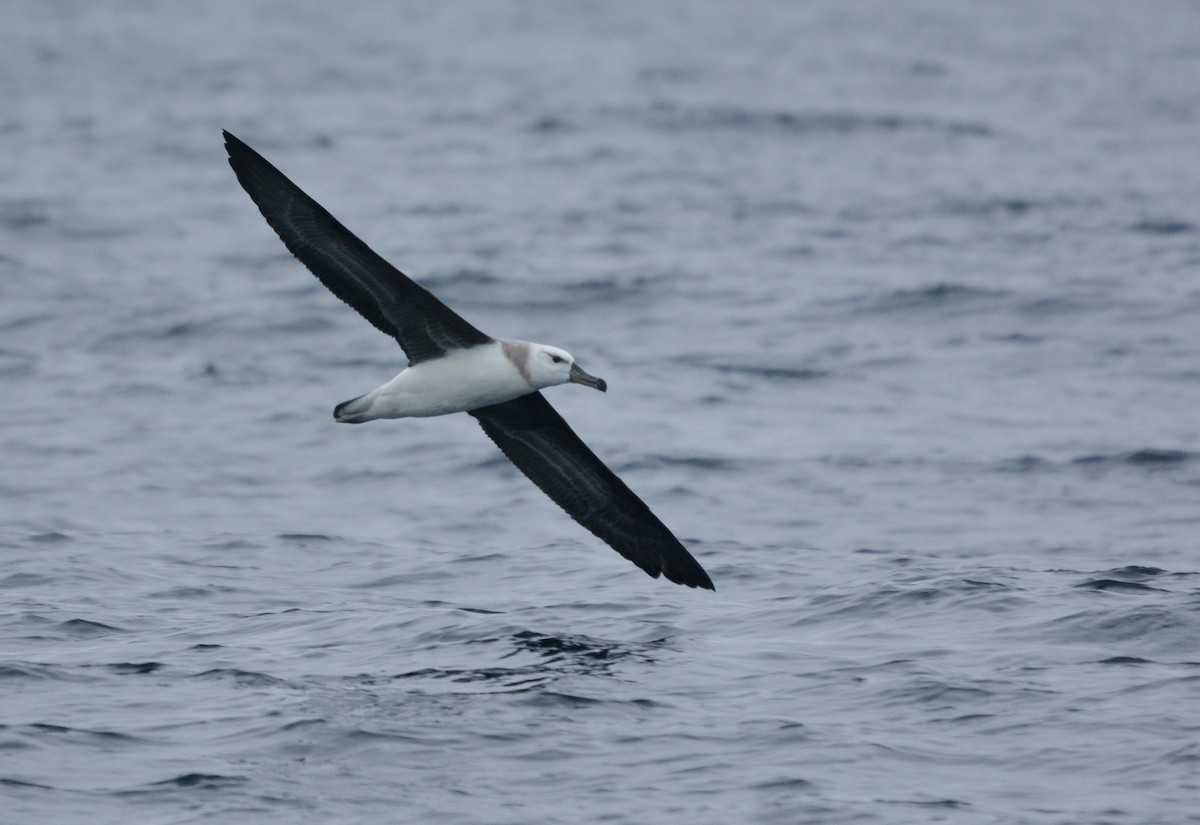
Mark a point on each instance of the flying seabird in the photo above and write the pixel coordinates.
(453, 367)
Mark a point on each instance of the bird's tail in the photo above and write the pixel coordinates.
(356, 410)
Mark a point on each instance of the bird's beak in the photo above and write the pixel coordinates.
(578, 376)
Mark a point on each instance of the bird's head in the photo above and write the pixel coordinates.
(548, 366)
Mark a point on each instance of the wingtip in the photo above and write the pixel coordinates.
(233, 144)
(693, 576)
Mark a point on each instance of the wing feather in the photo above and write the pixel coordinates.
(395, 304)
(543, 446)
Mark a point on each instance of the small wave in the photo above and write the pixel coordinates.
(491, 679)
(232, 544)
(201, 780)
(548, 124)
(1017, 338)
(1052, 305)
(986, 207)
(1144, 457)
(204, 328)
(135, 668)
(784, 372)
(255, 263)
(300, 325)
(14, 364)
(951, 804)
(24, 580)
(1119, 586)
(462, 277)
(548, 698)
(299, 724)
(186, 592)
(246, 678)
(440, 210)
(786, 783)
(576, 646)
(673, 117)
(1155, 456)
(28, 670)
(41, 728)
(1162, 227)
(708, 463)
(773, 373)
(936, 295)
(1128, 579)
(49, 538)
(17, 214)
(1021, 464)
(1188, 755)
(932, 691)
(553, 656)
(939, 296)
(83, 628)
(20, 783)
(345, 475)
(1151, 458)
(610, 288)
(12, 324)
(1137, 570)
(1143, 625)
(471, 558)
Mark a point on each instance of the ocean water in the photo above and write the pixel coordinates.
(899, 307)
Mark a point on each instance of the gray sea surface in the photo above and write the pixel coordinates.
(899, 307)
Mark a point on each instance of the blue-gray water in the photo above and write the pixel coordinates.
(900, 311)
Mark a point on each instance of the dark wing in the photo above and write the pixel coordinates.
(425, 327)
(537, 439)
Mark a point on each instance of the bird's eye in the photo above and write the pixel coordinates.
(557, 359)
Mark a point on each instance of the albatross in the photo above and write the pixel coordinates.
(453, 367)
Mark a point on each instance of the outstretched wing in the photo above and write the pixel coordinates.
(542, 446)
(425, 327)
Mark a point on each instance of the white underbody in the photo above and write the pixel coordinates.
(462, 380)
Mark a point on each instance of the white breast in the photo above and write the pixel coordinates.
(461, 380)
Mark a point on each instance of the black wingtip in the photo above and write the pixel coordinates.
(679, 566)
(240, 155)
(695, 577)
(235, 147)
